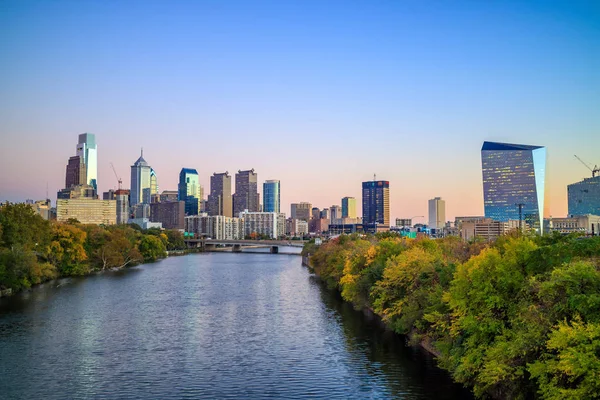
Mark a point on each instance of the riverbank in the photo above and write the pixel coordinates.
(33, 250)
(497, 316)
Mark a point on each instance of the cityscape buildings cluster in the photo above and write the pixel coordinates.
(513, 177)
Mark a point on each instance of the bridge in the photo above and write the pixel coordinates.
(236, 246)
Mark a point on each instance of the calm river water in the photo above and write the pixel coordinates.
(209, 326)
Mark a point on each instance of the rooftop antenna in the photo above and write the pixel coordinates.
(374, 177)
(142, 155)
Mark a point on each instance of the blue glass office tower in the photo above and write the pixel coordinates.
(190, 190)
(271, 196)
(514, 174)
(584, 197)
(376, 203)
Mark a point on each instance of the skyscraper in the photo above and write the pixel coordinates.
(376, 202)
(348, 207)
(153, 183)
(75, 173)
(140, 182)
(271, 196)
(584, 197)
(190, 190)
(219, 199)
(88, 155)
(437, 213)
(514, 177)
(246, 192)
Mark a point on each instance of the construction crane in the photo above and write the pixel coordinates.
(116, 176)
(595, 170)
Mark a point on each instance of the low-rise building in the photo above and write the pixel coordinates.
(588, 224)
(43, 208)
(318, 225)
(485, 228)
(87, 211)
(296, 227)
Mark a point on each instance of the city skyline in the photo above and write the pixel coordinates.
(424, 86)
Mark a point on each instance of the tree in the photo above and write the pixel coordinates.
(66, 250)
(570, 367)
(151, 248)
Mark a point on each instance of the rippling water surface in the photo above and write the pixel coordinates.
(204, 326)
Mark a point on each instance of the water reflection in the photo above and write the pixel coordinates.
(212, 325)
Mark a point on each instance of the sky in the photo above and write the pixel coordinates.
(321, 95)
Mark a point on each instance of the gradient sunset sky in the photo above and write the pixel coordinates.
(318, 94)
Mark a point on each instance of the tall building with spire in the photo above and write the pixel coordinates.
(87, 152)
(140, 182)
(514, 178)
(219, 199)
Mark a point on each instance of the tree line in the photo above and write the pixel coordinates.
(33, 250)
(518, 318)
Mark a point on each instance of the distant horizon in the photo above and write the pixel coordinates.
(318, 95)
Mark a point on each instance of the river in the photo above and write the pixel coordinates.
(214, 326)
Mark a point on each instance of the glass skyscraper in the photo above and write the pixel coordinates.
(514, 176)
(88, 155)
(140, 181)
(271, 196)
(584, 197)
(376, 202)
(190, 190)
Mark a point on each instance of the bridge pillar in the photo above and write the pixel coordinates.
(236, 248)
(274, 249)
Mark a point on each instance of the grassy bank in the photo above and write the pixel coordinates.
(517, 318)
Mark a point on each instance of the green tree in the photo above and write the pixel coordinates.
(570, 367)
(151, 248)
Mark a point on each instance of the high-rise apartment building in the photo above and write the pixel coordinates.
(301, 211)
(376, 202)
(219, 199)
(140, 182)
(584, 197)
(348, 207)
(514, 178)
(437, 213)
(190, 190)
(87, 152)
(246, 192)
(272, 196)
(122, 199)
(269, 224)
